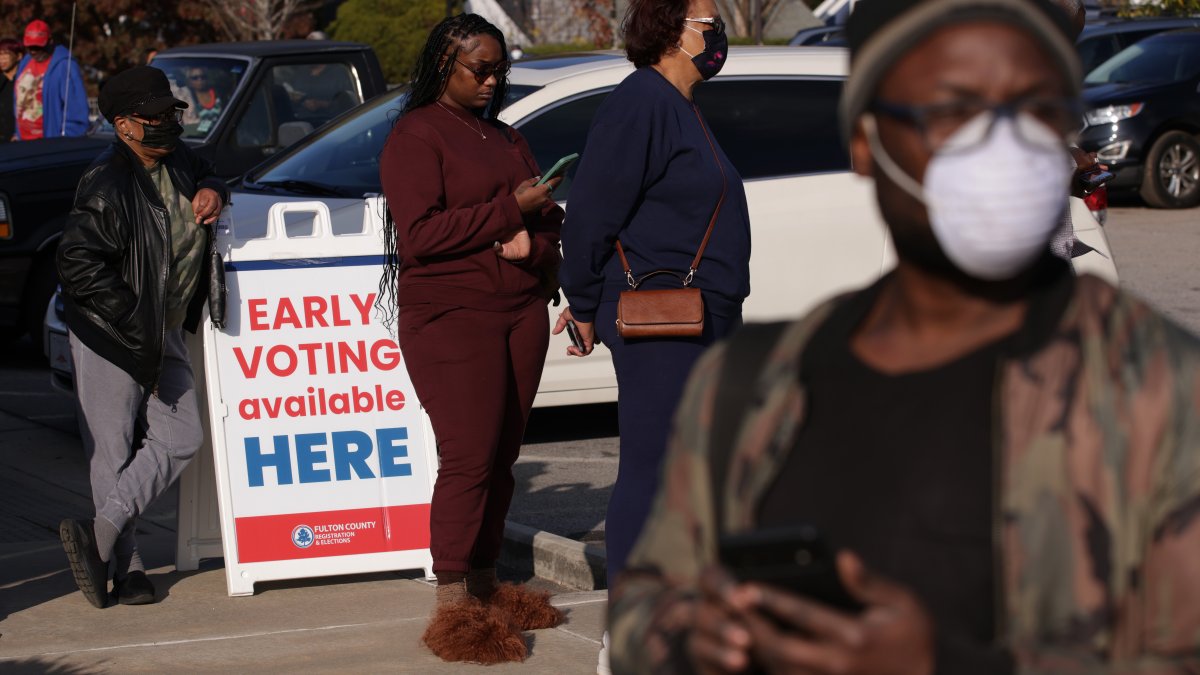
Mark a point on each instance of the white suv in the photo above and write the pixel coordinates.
(815, 227)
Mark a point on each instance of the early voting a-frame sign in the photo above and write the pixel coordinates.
(324, 458)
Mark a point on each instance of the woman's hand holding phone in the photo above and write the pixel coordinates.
(586, 332)
(532, 198)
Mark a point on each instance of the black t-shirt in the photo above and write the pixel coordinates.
(899, 469)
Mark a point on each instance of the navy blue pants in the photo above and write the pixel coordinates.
(651, 374)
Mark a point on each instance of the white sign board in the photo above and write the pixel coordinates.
(325, 460)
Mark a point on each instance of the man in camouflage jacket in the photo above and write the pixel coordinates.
(1096, 461)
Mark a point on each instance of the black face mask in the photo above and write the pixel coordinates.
(163, 136)
(710, 61)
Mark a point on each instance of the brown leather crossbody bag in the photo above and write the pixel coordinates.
(676, 312)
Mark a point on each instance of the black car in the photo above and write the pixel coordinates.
(1143, 114)
(247, 102)
(1100, 41)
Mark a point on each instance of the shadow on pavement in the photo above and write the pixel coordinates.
(46, 666)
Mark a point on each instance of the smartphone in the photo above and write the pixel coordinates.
(560, 167)
(795, 559)
(1093, 180)
(573, 333)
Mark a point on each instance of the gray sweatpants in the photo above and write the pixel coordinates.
(111, 406)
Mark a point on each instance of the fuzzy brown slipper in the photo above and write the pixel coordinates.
(470, 631)
(529, 609)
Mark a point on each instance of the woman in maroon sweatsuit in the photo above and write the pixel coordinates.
(473, 255)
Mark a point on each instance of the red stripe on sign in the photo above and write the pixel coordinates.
(296, 536)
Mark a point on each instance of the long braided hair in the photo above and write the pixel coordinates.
(430, 76)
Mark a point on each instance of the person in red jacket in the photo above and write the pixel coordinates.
(473, 256)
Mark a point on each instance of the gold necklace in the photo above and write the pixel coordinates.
(449, 112)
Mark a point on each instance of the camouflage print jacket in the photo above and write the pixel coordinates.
(1097, 526)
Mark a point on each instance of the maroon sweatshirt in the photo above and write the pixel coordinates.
(450, 193)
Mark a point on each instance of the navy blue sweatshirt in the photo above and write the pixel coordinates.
(648, 176)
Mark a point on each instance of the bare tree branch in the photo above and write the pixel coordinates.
(245, 20)
(738, 14)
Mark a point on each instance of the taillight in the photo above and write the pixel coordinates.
(1097, 203)
(5, 220)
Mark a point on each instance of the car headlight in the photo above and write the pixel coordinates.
(1112, 114)
(6, 230)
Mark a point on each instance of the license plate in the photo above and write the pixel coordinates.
(60, 353)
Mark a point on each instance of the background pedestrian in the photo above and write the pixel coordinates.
(10, 56)
(135, 272)
(651, 177)
(51, 100)
(473, 249)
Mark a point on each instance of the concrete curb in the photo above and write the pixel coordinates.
(564, 561)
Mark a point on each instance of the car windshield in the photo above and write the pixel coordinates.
(205, 84)
(1157, 60)
(343, 159)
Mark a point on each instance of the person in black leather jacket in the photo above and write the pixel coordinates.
(136, 263)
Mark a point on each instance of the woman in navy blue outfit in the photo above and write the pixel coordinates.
(650, 178)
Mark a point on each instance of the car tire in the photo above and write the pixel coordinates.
(43, 279)
(1171, 179)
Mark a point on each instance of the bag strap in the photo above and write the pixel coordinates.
(745, 356)
(687, 281)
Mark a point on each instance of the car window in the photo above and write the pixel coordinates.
(292, 100)
(776, 127)
(205, 84)
(561, 131)
(1157, 60)
(344, 158)
(1097, 50)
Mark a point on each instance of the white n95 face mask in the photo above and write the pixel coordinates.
(993, 204)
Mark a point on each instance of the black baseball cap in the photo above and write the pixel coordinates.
(879, 32)
(142, 90)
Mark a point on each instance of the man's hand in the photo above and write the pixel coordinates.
(1084, 162)
(587, 333)
(533, 198)
(516, 247)
(207, 205)
(719, 641)
(892, 636)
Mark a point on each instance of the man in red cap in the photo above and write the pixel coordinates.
(50, 100)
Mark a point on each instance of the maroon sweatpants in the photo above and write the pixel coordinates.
(476, 372)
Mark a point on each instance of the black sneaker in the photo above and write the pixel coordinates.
(91, 573)
(134, 589)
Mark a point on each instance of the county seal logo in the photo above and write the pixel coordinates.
(302, 536)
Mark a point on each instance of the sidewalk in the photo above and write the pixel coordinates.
(363, 623)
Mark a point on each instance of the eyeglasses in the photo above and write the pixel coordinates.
(174, 115)
(1039, 121)
(482, 73)
(717, 23)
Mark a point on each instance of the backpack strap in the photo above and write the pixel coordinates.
(745, 355)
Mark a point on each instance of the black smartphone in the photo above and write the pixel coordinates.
(796, 559)
(1093, 180)
(573, 333)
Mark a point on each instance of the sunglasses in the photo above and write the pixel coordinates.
(482, 73)
(163, 118)
(717, 23)
(197, 78)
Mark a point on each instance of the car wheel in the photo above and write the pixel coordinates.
(43, 279)
(1171, 179)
